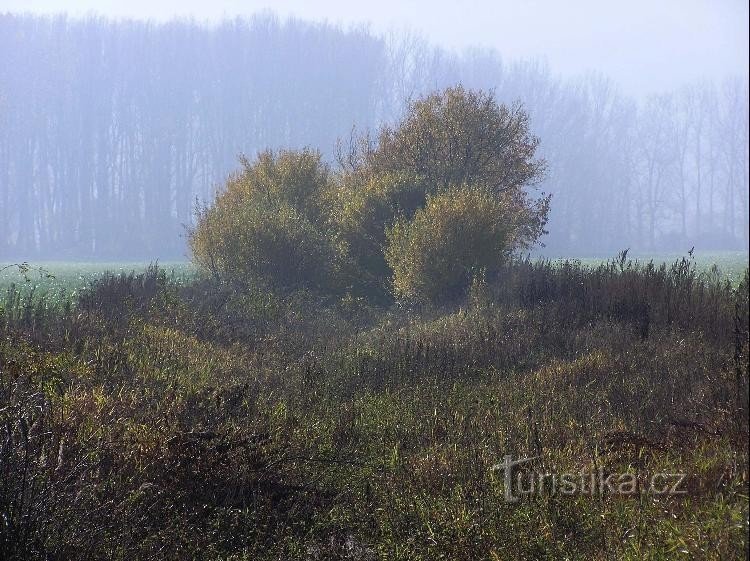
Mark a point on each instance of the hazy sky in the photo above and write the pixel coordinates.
(645, 45)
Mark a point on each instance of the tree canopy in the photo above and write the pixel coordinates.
(459, 137)
(442, 196)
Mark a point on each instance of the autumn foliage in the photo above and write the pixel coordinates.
(437, 199)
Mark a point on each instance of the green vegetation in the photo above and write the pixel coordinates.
(72, 276)
(152, 418)
(460, 235)
(286, 223)
(350, 360)
(729, 265)
(51, 278)
(265, 227)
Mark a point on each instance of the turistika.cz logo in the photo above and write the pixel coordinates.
(520, 483)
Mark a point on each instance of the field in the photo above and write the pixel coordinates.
(158, 414)
(61, 279)
(68, 277)
(730, 265)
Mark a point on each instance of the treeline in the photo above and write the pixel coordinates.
(110, 131)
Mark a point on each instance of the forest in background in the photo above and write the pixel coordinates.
(111, 130)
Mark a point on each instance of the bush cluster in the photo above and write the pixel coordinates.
(445, 190)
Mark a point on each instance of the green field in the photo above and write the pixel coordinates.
(729, 264)
(56, 279)
(70, 276)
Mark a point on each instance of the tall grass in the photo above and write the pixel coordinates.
(150, 418)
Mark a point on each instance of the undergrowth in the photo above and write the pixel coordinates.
(144, 418)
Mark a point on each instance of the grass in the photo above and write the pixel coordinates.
(169, 417)
(67, 276)
(58, 280)
(730, 265)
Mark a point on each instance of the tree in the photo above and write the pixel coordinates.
(657, 158)
(449, 139)
(265, 229)
(461, 137)
(109, 129)
(460, 234)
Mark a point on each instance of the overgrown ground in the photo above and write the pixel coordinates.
(160, 416)
(730, 265)
(60, 280)
(69, 276)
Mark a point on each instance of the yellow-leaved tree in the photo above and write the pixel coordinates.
(461, 234)
(436, 199)
(266, 229)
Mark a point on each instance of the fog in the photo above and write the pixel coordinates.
(111, 129)
(645, 47)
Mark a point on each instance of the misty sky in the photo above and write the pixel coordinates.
(644, 45)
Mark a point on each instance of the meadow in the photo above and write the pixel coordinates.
(60, 279)
(154, 413)
(729, 264)
(369, 355)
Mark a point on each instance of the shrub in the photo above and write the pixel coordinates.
(284, 223)
(362, 208)
(265, 228)
(270, 244)
(459, 136)
(453, 137)
(294, 177)
(458, 235)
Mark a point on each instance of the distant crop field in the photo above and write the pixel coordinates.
(730, 265)
(69, 276)
(56, 279)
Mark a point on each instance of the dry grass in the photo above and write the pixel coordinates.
(149, 419)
